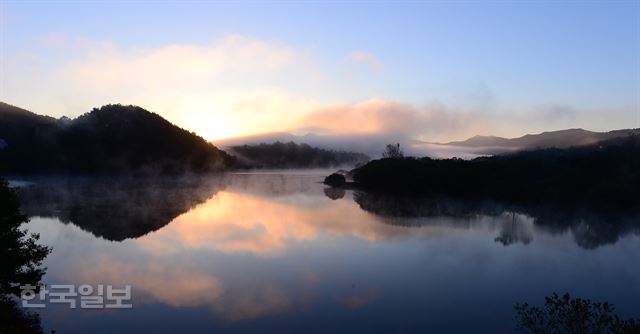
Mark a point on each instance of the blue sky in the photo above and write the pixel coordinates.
(492, 58)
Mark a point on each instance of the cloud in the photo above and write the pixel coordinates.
(237, 85)
(187, 288)
(111, 67)
(232, 85)
(238, 223)
(378, 116)
(368, 126)
(365, 58)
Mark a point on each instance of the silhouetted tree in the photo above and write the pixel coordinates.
(20, 263)
(563, 314)
(392, 151)
(15, 320)
(20, 255)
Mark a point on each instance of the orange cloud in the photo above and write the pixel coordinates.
(234, 85)
(377, 116)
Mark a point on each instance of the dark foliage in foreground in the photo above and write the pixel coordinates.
(604, 174)
(20, 255)
(292, 155)
(20, 261)
(113, 139)
(563, 314)
(15, 320)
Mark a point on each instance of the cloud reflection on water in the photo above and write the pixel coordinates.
(261, 246)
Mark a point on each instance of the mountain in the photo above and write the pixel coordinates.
(113, 139)
(373, 144)
(292, 155)
(550, 139)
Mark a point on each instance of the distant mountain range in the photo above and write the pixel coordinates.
(113, 139)
(117, 139)
(550, 139)
(373, 145)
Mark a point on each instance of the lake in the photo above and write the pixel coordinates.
(280, 252)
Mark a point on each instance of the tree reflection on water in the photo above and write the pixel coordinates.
(591, 227)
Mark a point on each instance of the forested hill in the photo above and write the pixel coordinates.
(113, 139)
(606, 173)
(292, 155)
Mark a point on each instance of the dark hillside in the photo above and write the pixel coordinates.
(602, 174)
(113, 139)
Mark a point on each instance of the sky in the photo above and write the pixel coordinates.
(429, 70)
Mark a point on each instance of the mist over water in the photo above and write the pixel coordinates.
(277, 250)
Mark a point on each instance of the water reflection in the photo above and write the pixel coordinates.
(116, 208)
(234, 252)
(259, 212)
(518, 230)
(334, 193)
(591, 227)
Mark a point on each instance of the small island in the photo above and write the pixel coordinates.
(335, 179)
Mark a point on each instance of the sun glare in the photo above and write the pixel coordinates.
(210, 125)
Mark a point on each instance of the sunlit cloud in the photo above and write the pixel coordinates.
(234, 85)
(230, 113)
(378, 116)
(237, 86)
(111, 67)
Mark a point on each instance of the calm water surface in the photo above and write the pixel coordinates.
(279, 252)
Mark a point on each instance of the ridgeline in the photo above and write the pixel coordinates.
(603, 174)
(113, 139)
